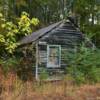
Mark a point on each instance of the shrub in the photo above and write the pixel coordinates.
(84, 66)
(9, 64)
(76, 74)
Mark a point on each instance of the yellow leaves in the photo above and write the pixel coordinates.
(10, 46)
(10, 34)
(25, 18)
(12, 31)
(10, 25)
(2, 39)
(1, 15)
(3, 25)
(25, 24)
(35, 21)
(15, 30)
(26, 31)
(24, 21)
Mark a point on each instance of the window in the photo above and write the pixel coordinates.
(53, 55)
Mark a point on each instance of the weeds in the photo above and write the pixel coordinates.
(60, 90)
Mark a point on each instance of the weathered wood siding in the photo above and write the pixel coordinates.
(65, 35)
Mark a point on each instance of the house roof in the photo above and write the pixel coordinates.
(67, 27)
(36, 35)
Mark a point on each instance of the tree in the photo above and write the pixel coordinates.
(11, 31)
(50, 11)
(89, 19)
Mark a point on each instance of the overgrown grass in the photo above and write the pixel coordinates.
(16, 89)
(82, 81)
(13, 88)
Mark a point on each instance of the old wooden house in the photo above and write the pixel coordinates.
(52, 43)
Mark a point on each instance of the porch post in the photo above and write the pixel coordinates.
(36, 71)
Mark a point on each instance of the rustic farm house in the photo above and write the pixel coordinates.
(52, 44)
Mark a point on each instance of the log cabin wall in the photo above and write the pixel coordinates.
(67, 36)
(64, 35)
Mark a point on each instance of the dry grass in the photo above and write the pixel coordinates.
(15, 89)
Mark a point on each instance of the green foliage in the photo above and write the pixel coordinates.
(89, 20)
(11, 32)
(49, 11)
(9, 64)
(84, 66)
(13, 28)
(2, 40)
(43, 74)
(76, 74)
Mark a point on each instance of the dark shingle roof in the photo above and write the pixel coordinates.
(36, 35)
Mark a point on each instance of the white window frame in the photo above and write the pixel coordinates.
(48, 50)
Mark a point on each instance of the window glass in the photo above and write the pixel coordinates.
(53, 56)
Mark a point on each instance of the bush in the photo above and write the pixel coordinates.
(23, 67)
(84, 66)
(76, 74)
(9, 64)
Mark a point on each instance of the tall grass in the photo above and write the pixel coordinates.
(16, 89)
